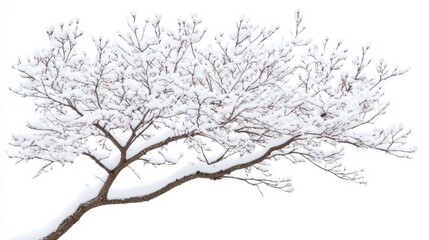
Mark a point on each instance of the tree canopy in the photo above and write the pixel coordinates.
(221, 109)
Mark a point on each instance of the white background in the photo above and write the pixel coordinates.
(394, 204)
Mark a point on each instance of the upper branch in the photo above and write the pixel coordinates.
(97, 161)
(160, 144)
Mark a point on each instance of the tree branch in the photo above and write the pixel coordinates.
(97, 161)
(166, 141)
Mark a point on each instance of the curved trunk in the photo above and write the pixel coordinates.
(67, 223)
(100, 200)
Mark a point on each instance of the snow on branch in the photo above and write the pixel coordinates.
(237, 96)
(219, 101)
(154, 89)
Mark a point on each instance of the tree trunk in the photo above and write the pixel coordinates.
(67, 223)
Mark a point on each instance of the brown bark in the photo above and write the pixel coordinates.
(74, 218)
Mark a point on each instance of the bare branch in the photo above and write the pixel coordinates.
(97, 161)
(282, 184)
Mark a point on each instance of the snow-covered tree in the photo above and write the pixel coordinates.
(200, 109)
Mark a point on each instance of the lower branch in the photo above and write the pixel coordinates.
(214, 176)
(282, 184)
